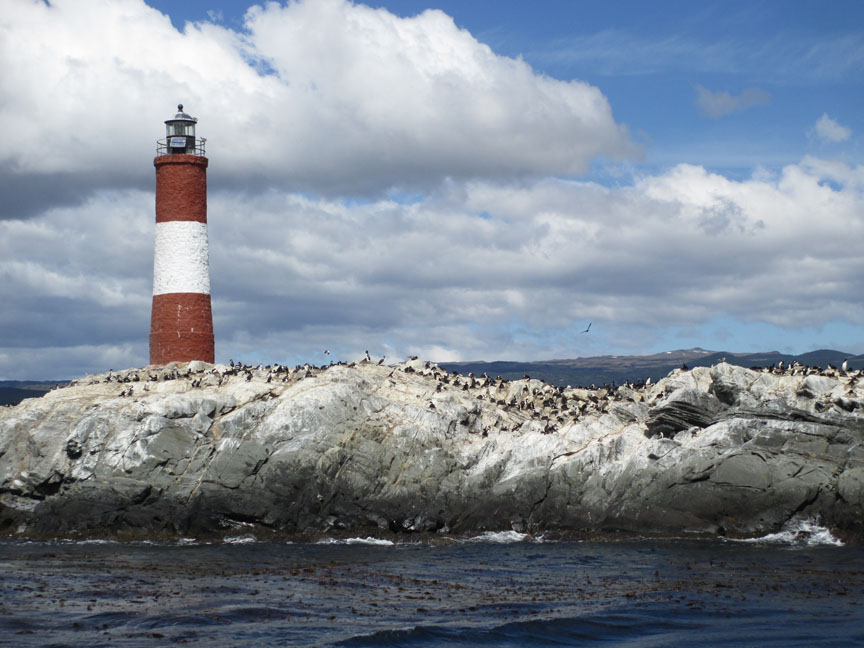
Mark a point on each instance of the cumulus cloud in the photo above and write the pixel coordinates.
(326, 96)
(320, 116)
(478, 269)
(78, 277)
(465, 266)
(722, 103)
(829, 130)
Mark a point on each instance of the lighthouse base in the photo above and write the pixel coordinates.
(181, 328)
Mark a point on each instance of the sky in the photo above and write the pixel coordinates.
(454, 180)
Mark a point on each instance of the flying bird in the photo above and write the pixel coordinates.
(587, 329)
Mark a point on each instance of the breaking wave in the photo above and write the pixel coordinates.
(500, 537)
(380, 542)
(799, 531)
(243, 539)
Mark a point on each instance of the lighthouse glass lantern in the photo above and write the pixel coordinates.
(180, 136)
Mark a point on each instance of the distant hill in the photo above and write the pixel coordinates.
(602, 370)
(13, 392)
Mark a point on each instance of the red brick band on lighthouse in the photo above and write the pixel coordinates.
(181, 325)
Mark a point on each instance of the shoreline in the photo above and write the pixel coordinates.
(803, 533)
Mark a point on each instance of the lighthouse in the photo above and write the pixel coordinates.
(181, 324)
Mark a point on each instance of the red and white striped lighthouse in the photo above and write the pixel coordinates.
(181, 325)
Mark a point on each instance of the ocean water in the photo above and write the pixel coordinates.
(798, 588)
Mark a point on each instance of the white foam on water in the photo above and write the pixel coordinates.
(799, 531)
(379, 542)
(500, 537)
(243, 539)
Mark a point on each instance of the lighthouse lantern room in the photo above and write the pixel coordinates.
(180, 136)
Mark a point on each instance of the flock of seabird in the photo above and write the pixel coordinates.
(526, 399)
(795, 368)
(523, 400)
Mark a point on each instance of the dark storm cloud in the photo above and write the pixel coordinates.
(38, 321)
(29, 194)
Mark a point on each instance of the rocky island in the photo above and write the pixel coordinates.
(362, 447)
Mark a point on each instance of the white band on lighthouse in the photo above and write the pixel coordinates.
(182, 261)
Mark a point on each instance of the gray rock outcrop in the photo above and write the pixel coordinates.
(199, 448)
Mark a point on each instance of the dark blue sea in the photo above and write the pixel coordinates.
(493, 590)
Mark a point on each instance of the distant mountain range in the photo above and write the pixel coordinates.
(13, 392)
(599, 370)
(602, 370)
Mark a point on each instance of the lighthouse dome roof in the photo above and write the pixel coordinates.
(182, 116)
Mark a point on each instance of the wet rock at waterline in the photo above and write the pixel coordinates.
(198, 448)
